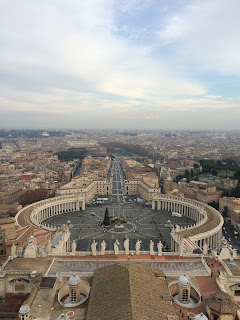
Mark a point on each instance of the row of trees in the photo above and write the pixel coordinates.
(31, 196)
(192, 175)
(213, 167)
(235, 192)
(133, 148)
(72, 153)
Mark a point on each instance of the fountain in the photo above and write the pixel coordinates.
(168, 224)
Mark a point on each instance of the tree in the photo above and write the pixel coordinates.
(187, 175)
(110, 148)
(214, 205)
(106, 220)
(214, 172)
(31, 196)
(225, 211)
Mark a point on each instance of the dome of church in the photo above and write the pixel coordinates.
(63, 317)
(200, 316)
(24, 309)
(74, 280)
(184, 281)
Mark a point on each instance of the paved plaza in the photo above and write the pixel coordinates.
(142, 223)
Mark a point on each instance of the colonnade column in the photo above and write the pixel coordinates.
(153, 204)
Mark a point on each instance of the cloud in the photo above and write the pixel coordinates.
(206, 33)
(81, 44)
(69, 57)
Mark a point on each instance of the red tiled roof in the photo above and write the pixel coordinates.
(12, 302)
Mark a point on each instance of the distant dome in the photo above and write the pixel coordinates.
(63, 317)
(200, 316)
(24, 309)
(74, 280)
(184, 281)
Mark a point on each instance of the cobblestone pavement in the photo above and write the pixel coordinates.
(142, 223)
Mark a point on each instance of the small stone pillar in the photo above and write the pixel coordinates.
(24, 312)
(184, 285)
(74, 288)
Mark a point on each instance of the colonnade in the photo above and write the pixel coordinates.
(208, 228)
(45, 209)
(183, 208)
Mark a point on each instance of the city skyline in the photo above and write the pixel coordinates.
(120, 64)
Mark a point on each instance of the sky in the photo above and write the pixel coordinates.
(120, 64)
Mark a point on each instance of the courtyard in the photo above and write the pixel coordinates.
(142, 223)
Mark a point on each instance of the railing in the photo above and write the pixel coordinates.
(112, 252)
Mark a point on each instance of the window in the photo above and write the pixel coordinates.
(185, 295)
(73, 297)
(237, 292)
(215, 317)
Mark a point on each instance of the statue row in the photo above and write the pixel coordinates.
(125, 245)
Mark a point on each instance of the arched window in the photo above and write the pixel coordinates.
(73, 297)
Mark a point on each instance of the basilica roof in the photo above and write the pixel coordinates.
(129, 291)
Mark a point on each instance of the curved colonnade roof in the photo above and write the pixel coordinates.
(23, 219)
(213, 220)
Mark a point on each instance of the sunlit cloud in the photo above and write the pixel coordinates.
(117, 59)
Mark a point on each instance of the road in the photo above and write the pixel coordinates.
(117, 181)
(232, 236)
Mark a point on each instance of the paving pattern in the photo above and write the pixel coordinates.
(144, 224)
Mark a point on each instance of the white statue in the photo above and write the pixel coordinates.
(48, 246)
(20, 252)
(177, 228)
(126, 246)
(74, 247)
(181, 249)
(151, 248)
(41, 252)
(103, 247)
(159, 246)
(225, 251)
(234, 253)
(94, 248)
(116, 247)
(31, 248)
(13, 250)
(205, 248)
(138, 246)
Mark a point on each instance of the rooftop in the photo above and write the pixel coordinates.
(118, 292)
(213, 219)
